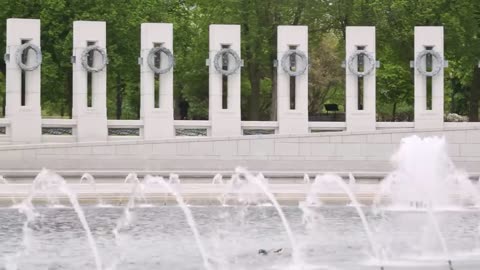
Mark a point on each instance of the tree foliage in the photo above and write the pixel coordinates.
(326, 19)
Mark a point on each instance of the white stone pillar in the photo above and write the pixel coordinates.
(91, 120)
(292, 120)
(158, 122)
(26, 123)
(224, 121)
(360, 115)
(426, 38)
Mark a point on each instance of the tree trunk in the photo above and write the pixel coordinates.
(68, 92)
(298, 12)
(474, 96)
(452, 96)
(62, 109)
(394, 112)
(4, 103)
(253, 75)
(119, 98)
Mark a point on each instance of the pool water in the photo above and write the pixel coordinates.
(160, 238)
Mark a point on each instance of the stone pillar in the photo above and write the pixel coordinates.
(360, 106)
(158, 121)
(428, 38)
(225, 120)
(292, 104)
(23, 112)
(91, 120)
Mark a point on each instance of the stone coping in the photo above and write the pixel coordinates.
(295, 175)
(236, 138)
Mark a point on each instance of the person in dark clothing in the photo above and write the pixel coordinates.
(183, 106)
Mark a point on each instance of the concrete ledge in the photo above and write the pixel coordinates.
(319, 152)
(118, 193)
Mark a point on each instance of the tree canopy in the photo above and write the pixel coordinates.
(326, 19)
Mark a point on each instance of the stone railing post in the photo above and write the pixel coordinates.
(89, 106)
(360, 66)
(429, 64)
(224, 80)
(23, 107)
(292, 79)
(156, 59)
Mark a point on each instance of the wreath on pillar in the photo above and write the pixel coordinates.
(151, 60)
(435, 68)
(85, 55)
(353, 65)
(237, 62)
(285, 62)
(24, 48)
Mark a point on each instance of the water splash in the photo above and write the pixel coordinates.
(137, 192)
(425, 179)
(89, 179)
(262, 178)
(311, 199)
(306, 179)
(351, 181)
(47, 182)
(126, 219)
(328, 178)
(188, 214)
(262, 184)
(423, 167)
(5, 182)
(230, 187)
(217, 179)
(138, 187)
(351, 186)
(173, 179)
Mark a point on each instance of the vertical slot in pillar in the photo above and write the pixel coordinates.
(293, 84)
(225, 66)
(360, 81)
(429, 68)
(23, 81)
(158, 61)
(90, 61)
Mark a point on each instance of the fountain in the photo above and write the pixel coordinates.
(89, 179)
(306, 179)
(49, 182)
(425, 180)
(148, 181)
(138, 191)
(425, 177)
(351, 181)
(5, 182)
(262, 183)
(327, 179)
(424, 216)
(217, 179)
